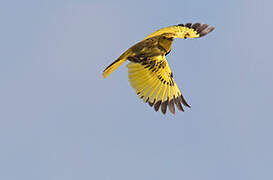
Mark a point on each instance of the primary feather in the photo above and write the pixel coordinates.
(148, 70)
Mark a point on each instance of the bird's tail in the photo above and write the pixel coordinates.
(116, 63)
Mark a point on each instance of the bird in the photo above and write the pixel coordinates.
(148, 70)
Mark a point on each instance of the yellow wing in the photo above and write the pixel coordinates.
(153, 81)
(179, 31)
(188, 30)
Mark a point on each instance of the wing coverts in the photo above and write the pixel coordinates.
(148, 70)
(153, 81)
(188, 30)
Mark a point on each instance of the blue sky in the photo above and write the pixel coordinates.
(60, 120)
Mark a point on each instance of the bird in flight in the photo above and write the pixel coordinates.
(148, 70)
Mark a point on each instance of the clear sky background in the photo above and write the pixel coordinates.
(60, 120)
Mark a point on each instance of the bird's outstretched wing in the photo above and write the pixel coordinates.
(184, 31)
(153, 81)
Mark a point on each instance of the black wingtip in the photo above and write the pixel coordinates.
(178, 104)
(151, 103)
(206, 31)
(157, 105)
(171, 106)
(201, 29)
(164, 107)
(184, 101)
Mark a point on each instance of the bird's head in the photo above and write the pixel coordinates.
(166, 40)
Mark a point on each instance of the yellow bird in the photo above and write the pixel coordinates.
(148, 69)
